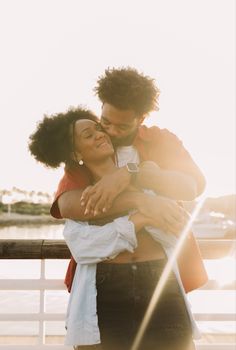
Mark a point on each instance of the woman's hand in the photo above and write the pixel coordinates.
(98, 198)
(139, 220)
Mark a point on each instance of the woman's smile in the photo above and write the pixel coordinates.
(104, 144)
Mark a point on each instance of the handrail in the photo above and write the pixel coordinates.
(34, 249)
(57, 248)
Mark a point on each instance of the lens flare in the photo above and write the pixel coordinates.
(164, 276)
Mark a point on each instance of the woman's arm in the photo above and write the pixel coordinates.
(92, 244)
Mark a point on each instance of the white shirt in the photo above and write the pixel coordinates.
(126, 154)
(90, 244)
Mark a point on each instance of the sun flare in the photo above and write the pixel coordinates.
(225, 271)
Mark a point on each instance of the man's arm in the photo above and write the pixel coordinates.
(173, 184)
(166, 213)
(168, 152)
(176, 175)
(169, 183)
(69, 204)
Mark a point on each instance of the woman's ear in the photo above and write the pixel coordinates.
(76, 156)
(142, 119)
(79, 159)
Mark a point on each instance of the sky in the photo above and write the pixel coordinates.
(53, 51)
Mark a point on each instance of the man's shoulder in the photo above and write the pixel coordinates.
(156, 134)
(74, 171)
(74, 178)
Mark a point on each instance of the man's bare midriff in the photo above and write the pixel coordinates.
(147, 249)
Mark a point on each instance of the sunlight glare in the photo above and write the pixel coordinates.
(225, 272)
(165, 274)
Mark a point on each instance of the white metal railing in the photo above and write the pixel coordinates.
(43, 284)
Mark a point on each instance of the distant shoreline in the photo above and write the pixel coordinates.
(14, 219)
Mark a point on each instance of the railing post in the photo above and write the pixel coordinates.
(42, 305)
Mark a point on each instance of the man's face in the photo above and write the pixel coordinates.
(120, 125)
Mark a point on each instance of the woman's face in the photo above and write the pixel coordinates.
(90, 142)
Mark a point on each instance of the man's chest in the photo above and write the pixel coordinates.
(126, 154)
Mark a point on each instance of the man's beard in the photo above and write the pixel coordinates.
(124, 141)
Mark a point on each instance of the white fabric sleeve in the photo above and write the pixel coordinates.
(91, 243)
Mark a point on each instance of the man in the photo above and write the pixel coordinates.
(147, 158)
(127, 97)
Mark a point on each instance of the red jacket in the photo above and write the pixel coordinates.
(167, 151)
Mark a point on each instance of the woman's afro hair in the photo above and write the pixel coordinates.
(126, 88)
(51, 143)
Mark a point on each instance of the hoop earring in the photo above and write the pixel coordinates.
(81, 162)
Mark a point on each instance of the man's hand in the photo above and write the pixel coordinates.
(165, 214)
(98, 198)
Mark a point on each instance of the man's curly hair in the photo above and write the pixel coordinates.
(51, 143)
(126, 88)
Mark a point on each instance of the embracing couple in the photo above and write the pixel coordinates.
(122, 194)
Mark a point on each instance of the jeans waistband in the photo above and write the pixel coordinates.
(160, 263)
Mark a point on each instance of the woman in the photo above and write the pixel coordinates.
(125, 283)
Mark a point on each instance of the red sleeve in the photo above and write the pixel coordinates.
(168, 152)
(73, 179)
(70, 274)
(191, 267)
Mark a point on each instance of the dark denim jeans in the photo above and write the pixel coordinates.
(124, 292)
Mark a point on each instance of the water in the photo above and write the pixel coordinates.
(32, 232)
(217, 301)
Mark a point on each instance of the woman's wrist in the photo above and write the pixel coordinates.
(139, 220)
(125, 175)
